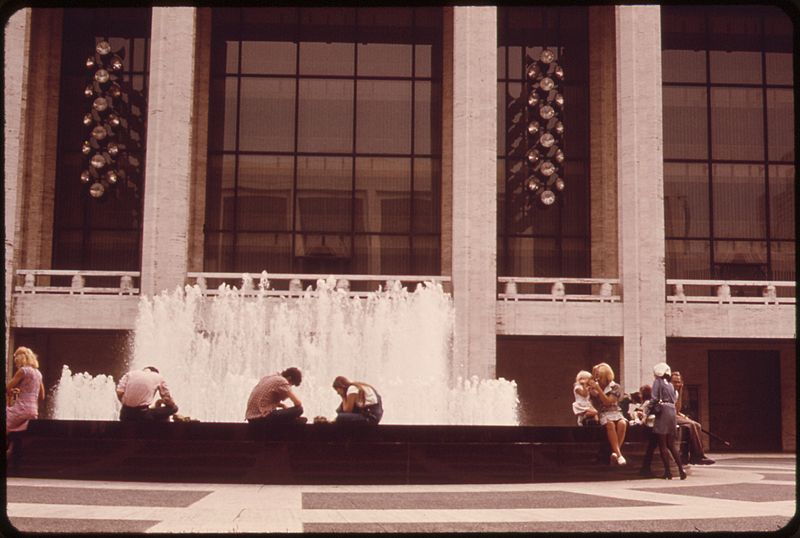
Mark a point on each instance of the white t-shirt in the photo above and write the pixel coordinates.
(370, 398)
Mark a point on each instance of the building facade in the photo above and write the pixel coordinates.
(396, 142)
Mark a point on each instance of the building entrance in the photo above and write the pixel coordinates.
(744, 399)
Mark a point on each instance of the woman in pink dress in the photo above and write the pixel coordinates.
(23, 392)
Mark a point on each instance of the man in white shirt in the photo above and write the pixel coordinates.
(136, 391)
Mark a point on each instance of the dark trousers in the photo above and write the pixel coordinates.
(652, 442)
(371, 414)
(146, 413)
(281, 415)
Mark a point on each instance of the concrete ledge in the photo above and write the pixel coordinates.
(731, 321)
(60, 311)
(320, 454)
(543, 318)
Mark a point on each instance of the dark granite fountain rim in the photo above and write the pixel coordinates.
(390, 433)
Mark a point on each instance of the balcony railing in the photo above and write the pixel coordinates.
(555, 289)
(77, 282)
(295, 285)
(730, 291)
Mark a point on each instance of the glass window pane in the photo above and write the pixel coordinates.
(326, 116)
(220, 182)
(737, 124)
(231, 57)
(515, 63)
(740, 260)
(780, 118)
(269, 57)
(686, 200)
(218, 252)
(324, 194)
(256, 252)
(575, 258)
(685, 123)
(779, 68)
(267, 114)
(783, 261)
(425, 255)
(534, 257)
(423, 59)
(573, 204)
(782, 201)
(683, 65)
(327, 58)
(384, 117)
(114, 250)
(739, 193)
(501, 63)
(265, 193)
(395, 255)
(688, 259)
(384, 185)
(513, 129)
(735, 67)
(426, 118)
(384, 60)
(426, 196)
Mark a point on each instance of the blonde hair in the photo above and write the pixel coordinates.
(27, 357)
(605, 374)
(583, 374)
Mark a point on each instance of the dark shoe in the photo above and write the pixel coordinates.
(706, 461)
(300, 420)
(646, 473)
(682, 473)
(667, 476)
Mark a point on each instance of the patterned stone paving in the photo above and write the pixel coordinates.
(741, 493)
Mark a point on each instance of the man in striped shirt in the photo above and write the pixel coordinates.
(266, 403)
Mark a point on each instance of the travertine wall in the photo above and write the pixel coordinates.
(15, 105)
(169, 167)
(474, 184)
(640, 189)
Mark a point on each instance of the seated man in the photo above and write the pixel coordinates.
(136, 390)
(265, 404)
(697, 455)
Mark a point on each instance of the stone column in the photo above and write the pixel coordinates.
(17, 40)
(603, 142)
(473, 130)
(640, 191)
(168, 169)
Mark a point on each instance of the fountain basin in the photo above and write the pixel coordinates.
(320, 453)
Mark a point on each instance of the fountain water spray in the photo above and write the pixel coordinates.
(212, 350)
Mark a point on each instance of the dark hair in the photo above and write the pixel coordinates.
(293, 375)
(153, 368)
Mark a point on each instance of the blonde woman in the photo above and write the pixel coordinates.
(606, 394)
(26, 390)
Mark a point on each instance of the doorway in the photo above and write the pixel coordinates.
(744, 396)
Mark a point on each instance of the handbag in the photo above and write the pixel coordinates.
(655, 407)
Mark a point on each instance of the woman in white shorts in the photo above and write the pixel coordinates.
(605, 395)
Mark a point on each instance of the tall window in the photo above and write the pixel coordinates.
(539, 241)
(89, 233)
(728, 142)
(324, 141)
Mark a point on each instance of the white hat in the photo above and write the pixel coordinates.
(661, 369)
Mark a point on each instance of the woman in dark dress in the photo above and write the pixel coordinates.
(666, 421)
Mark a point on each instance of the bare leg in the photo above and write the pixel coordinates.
(622, 428)
(613, 440)
(670, 442)
(662, 450)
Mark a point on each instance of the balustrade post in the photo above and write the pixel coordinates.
(511, 290)
(724, 293)
(770, 294)
(30, 282)
(557, 291)
(77, 284)
(680, 295)
(125, 285)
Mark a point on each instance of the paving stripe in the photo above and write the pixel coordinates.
(735, 492)
(102, 496)
(787, 477)
(753, 524)
(462, 501)
(74, 526)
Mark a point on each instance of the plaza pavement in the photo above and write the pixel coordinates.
(742, 492)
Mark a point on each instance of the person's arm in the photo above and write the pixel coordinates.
(14, 382)
(679, 398)
(123, 383)
(166, 395)
(606, 399)
(41, 391)
(349, 402)
(293, 397)
(581, 390)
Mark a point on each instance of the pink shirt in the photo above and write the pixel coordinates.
(139, 387)
(266, 396)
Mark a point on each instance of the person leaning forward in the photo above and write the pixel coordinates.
(136, 390)
(266, 402)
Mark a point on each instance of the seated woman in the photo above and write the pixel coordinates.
(360, 401)
(606, 394)
(23, 394)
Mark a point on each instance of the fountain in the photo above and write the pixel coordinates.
(213, 349)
